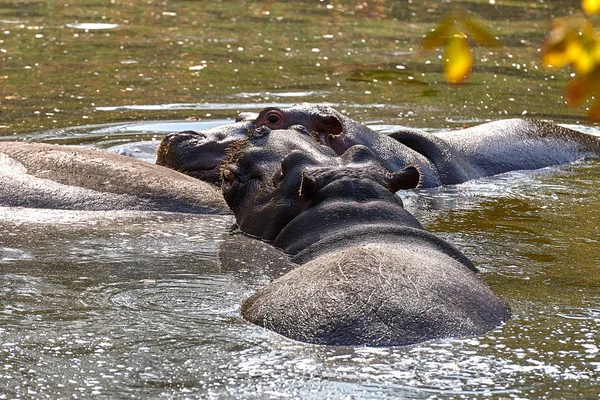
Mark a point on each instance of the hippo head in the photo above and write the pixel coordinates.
(324, 123)
(357, 175)
(200, 154)
(253, 181)
(275, 175)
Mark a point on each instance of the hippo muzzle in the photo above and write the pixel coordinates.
(200, 154)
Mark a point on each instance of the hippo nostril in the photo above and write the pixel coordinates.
(246, 116)
(260, 132)
(167, 140)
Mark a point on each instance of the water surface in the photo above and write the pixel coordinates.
(132, 304)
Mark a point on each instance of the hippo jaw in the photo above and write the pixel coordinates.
(261, 178)
(262, 195)
(186, 157)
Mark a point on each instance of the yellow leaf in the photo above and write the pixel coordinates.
(439, 34)
(583, 61)
(555, 44)
(554, 55)
(590, 7)
(582, 86)
(595, 51)
(571, 41)
(458, 59)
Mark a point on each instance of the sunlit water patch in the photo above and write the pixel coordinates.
(91, 26)
(266, 95)
(107, 134)
(135, 139)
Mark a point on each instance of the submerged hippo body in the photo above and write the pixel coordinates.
(443, 158)
(368, 273)
(67, 177)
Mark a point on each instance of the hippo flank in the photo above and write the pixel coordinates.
(368, 273)
(76, 178)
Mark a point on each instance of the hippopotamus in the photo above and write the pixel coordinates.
(367, 272)
(444, 158)
(70, 177)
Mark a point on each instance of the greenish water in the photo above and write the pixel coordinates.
(176, 59)
(146, 305)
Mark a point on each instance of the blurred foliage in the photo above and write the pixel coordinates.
(456, 33)
(574, 42)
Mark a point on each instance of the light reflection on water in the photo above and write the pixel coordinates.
(129, 304)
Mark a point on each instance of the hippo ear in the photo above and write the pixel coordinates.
(407, 178)
(357, 154)
(328, 124)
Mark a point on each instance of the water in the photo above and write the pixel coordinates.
(132, 304)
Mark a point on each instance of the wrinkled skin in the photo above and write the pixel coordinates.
(443, 158)
(40, 175)
(368, 273)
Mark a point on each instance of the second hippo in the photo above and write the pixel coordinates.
(443, 158)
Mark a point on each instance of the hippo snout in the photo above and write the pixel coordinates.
(194, 153)
(170, 148)
(200, 154)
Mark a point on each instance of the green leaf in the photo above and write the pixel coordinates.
(479, 33)
(439, 34)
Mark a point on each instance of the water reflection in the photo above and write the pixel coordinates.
(198, 106)
(89, 26)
